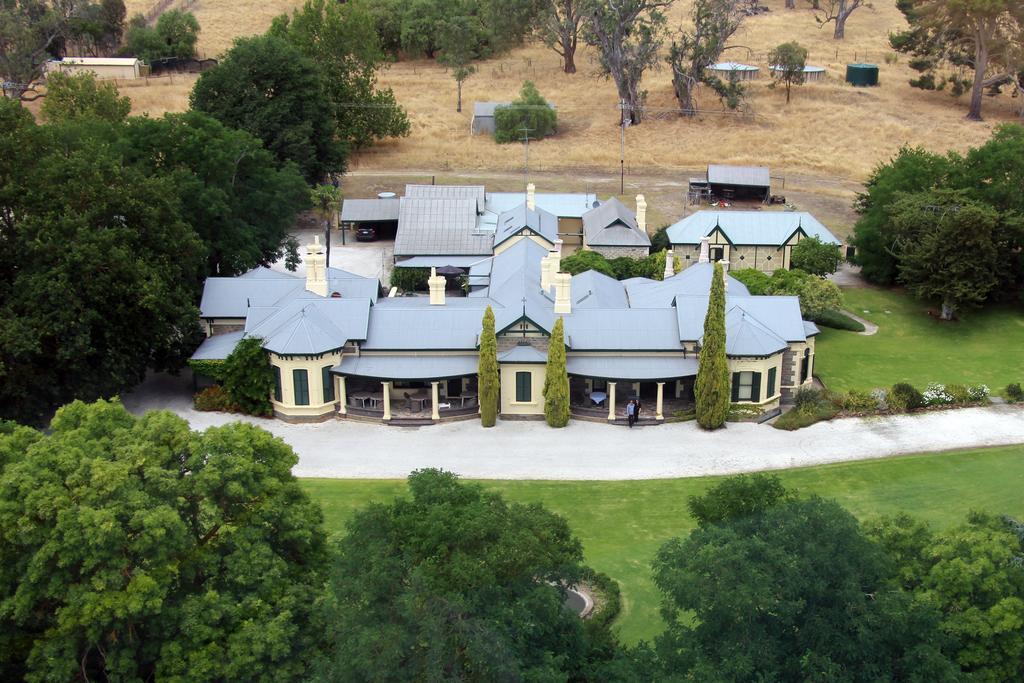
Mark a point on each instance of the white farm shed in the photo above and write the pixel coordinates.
(125, 68)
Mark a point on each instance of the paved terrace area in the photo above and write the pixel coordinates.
(588, 451)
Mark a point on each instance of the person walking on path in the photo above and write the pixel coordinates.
(631, 413)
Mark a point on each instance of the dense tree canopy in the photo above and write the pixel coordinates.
(813, 256)
(175, 35)
(81, 95)
(818, 296)
(772, 588)
(267, 87)
(341, 39)
(693, 51)
(787, 62)
(455, 583)
(135, 549)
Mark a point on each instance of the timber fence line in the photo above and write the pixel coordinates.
(161, 6)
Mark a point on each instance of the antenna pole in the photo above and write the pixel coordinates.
(622, 147)
(526, 155)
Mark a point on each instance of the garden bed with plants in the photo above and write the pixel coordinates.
(813, 405)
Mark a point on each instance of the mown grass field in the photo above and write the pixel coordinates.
(622, 524)
(982, 347)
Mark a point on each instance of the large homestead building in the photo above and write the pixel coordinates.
(339, 349)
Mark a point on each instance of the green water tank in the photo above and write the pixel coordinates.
(862, 74)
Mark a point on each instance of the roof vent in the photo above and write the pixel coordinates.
(596, 203)
(386, 195)
(335, 295)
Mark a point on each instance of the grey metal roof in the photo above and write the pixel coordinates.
(612, 224)
(473, 192)
(440, 227)
(747, 336)
(694, 281)
(366, 210)
(218, 347)
(768, 228)
(751, 176)
(779, 314)
(810, 329)
(562, 205)
(310, 326)
(513, 221)
(632, 368)
(592, 289)
(394, 327)
(440, 261)
(230, 297)
(419, 367)
(522, 353)
(627, 329)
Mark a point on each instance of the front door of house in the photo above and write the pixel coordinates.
(717, 254)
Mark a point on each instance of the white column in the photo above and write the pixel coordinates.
(387, 400)
(435, 413)
(658, 408)
(611, 400)
(342, 397)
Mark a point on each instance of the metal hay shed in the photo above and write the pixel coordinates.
(739, 182)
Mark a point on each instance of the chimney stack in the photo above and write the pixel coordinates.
(641, 213)
(563, 293)
(531, 196)
(436, 285)
(316, 267)
(670, 265)
(705, 251)
(725, 275)
(546, 272)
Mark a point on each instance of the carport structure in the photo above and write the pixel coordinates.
(380, 213)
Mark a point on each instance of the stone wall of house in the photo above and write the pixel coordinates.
(616, 252)
(765, 259)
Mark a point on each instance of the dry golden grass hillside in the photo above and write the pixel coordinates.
(829, 128)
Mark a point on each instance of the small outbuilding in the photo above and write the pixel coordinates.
(381, 214)
(811, 73)
(739, 182)
(483, 117)
(125, 68)
(734, 70)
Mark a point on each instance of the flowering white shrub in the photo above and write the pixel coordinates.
(936, 395)
(978, 393)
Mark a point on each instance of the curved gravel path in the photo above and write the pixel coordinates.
(588, 451)
(869, 327)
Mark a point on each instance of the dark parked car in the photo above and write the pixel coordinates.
(366, 234)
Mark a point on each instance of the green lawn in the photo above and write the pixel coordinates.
(621, 524)
(985, 347)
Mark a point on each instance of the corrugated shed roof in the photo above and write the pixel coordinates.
(424, 367)
(767, 228)
(486, 109)
(401, 328)
(218, 347)
(366, 210)
(750, 176)
(562, 205)
(632, 368)
(613, 224)
(440, 227)
(522, 353)
(99, 61)
(511, 222)
(473, 192)
(628, 329)
(596, 290)
(230, 297)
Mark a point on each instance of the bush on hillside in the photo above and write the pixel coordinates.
(531, 111)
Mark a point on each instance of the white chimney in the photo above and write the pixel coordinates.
(556, 256)
(546, 272)
(316, 267)
(436, 285)
(563, 293)
(531, 196)
(670, 265)
(705, 251)
(725, 275)
(641, 213)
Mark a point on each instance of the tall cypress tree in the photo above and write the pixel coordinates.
(712, 388)
(487, 372)
(556, 383)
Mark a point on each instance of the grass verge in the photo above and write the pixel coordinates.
(622, 524)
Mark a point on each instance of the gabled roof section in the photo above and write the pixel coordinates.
(310, 326)
(612, 224)
(559, 204)
(628, 329)
(537, 221)
(762, 228)
(780, 315)
(592, 289)
(694, 281)
(747, 336)
(218, 347)
(748, 176)
(423, 328)
(440, 227)
(367, 210)
(522, 353)
(231, 297)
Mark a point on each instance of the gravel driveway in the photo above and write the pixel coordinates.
(530, 450)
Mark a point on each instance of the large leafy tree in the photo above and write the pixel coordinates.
(911, 170)
(712, 390)
(267, 87)
(32, 32)
(627, 35)
(813, 256)
(458, 50)
(693, 51)
(974, 575)
(455, 583)
(232, 192)
(342, 40)
(947, 248)
(771, 588)
(103, 272)
(175, 35)
(70, 97)
(248, 378)
(560, 24)
(787, 62)
(135, 549)
(556, 380)
(488, 379)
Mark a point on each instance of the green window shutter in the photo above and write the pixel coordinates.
(277, 383)
(300, 382)
(523, 387)
(755, 388)
(771, 383)
(328, 382)
(735, 387)
(803, 366)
